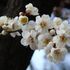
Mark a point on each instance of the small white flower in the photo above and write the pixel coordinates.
(6, 28)
(31, 9)
(3, 20)
(49, 47)
(43, 40)
(57, 54)
(43, 23)
(57, 22)
(11, 25)
(63, 37)
(66, 27)
(30, 26)
(29, 38)
(59, 41)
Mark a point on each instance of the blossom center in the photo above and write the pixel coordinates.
(46, 41)
(31, 39)
(63, 38)
(43, 24)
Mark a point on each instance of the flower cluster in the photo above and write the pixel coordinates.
(12, 25)
(52, 35)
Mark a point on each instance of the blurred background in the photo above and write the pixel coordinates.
(45, 6)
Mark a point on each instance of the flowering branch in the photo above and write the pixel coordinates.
(52, 35)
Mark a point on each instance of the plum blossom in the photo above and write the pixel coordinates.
(43, 40)
(31, 9)
(49, 47)
(29, 38)
(30, 26)
(66, 27)
(3, 20)
(64, 37)
(11, 26)
(57, 54)
(43, 23)
(57, 22)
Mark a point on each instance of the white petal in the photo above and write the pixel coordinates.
(18, 34)
(13, 35)
(24, 42)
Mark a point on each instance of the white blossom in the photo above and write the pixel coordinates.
(43, 23)
(58, 41)
(30, 26)
(31, 9)
(11, 25)
(66, 27)
(57, 54)
(29, 38)
(3, 20)
(43, 40)
(57, 22)
(49, 47)
(63, 37)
